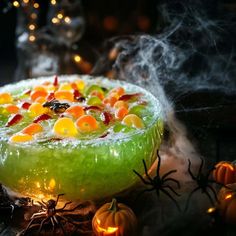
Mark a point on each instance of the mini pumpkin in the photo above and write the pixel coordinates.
(114, 219)
(225, 172)
(227, 203)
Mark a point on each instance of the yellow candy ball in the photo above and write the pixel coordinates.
(5, 98)
(37, 109)
(133, 120)
(65, 127)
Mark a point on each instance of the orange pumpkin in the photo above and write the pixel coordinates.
(114, 219)
(225, 173)
(227, 203)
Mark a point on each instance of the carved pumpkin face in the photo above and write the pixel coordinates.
(114, 219)
(227, 203)
(225, 173)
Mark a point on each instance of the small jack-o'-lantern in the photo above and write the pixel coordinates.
(227, 203)
(114, 219)
(225, 173)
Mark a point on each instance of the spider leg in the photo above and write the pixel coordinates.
(158, 164)
(32, 220)
(189, 197)
(146, 171)
(201, 166)
(60, 225)
(42, 223)
(175, 202)
(58, 196)
(67, 203)
(24, 232)
(42, 204)
(214, 192)
(171, 189)
(141, 177)
(209, 197)
(220, 184)
(173, 180)
(78, 207)
(41, 214)
(53, 224)
(73, 222)
(168, 173)
(189, 170)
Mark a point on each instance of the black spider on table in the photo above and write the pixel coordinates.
(49, 214)
(203, 182)
(159, 183)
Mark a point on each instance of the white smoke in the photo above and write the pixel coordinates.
(194, 52)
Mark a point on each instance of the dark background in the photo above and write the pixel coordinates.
(104, 19)
(209, 114)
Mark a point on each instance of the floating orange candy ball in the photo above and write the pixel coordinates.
(120, 91)
(133, 120)
(21, 138)
(75, 111)
(32, 129)
(39, 88)
(97, 94)
(120, 104)
(38, 93)
(5, 98)
(86, 123)
(37, 109)
(64, 95)
(65, 127)
(120, 113)
(41, 100)
(110, 101)
(13, 109)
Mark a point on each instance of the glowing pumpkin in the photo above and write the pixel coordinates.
(225, 173)
(114, 219)
(227, 203)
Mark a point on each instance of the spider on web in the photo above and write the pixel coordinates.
(55, 217)
(160, 183)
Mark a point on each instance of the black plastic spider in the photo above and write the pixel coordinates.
(203, 182)
(56, 106)
(158, 183)
(50, 215)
